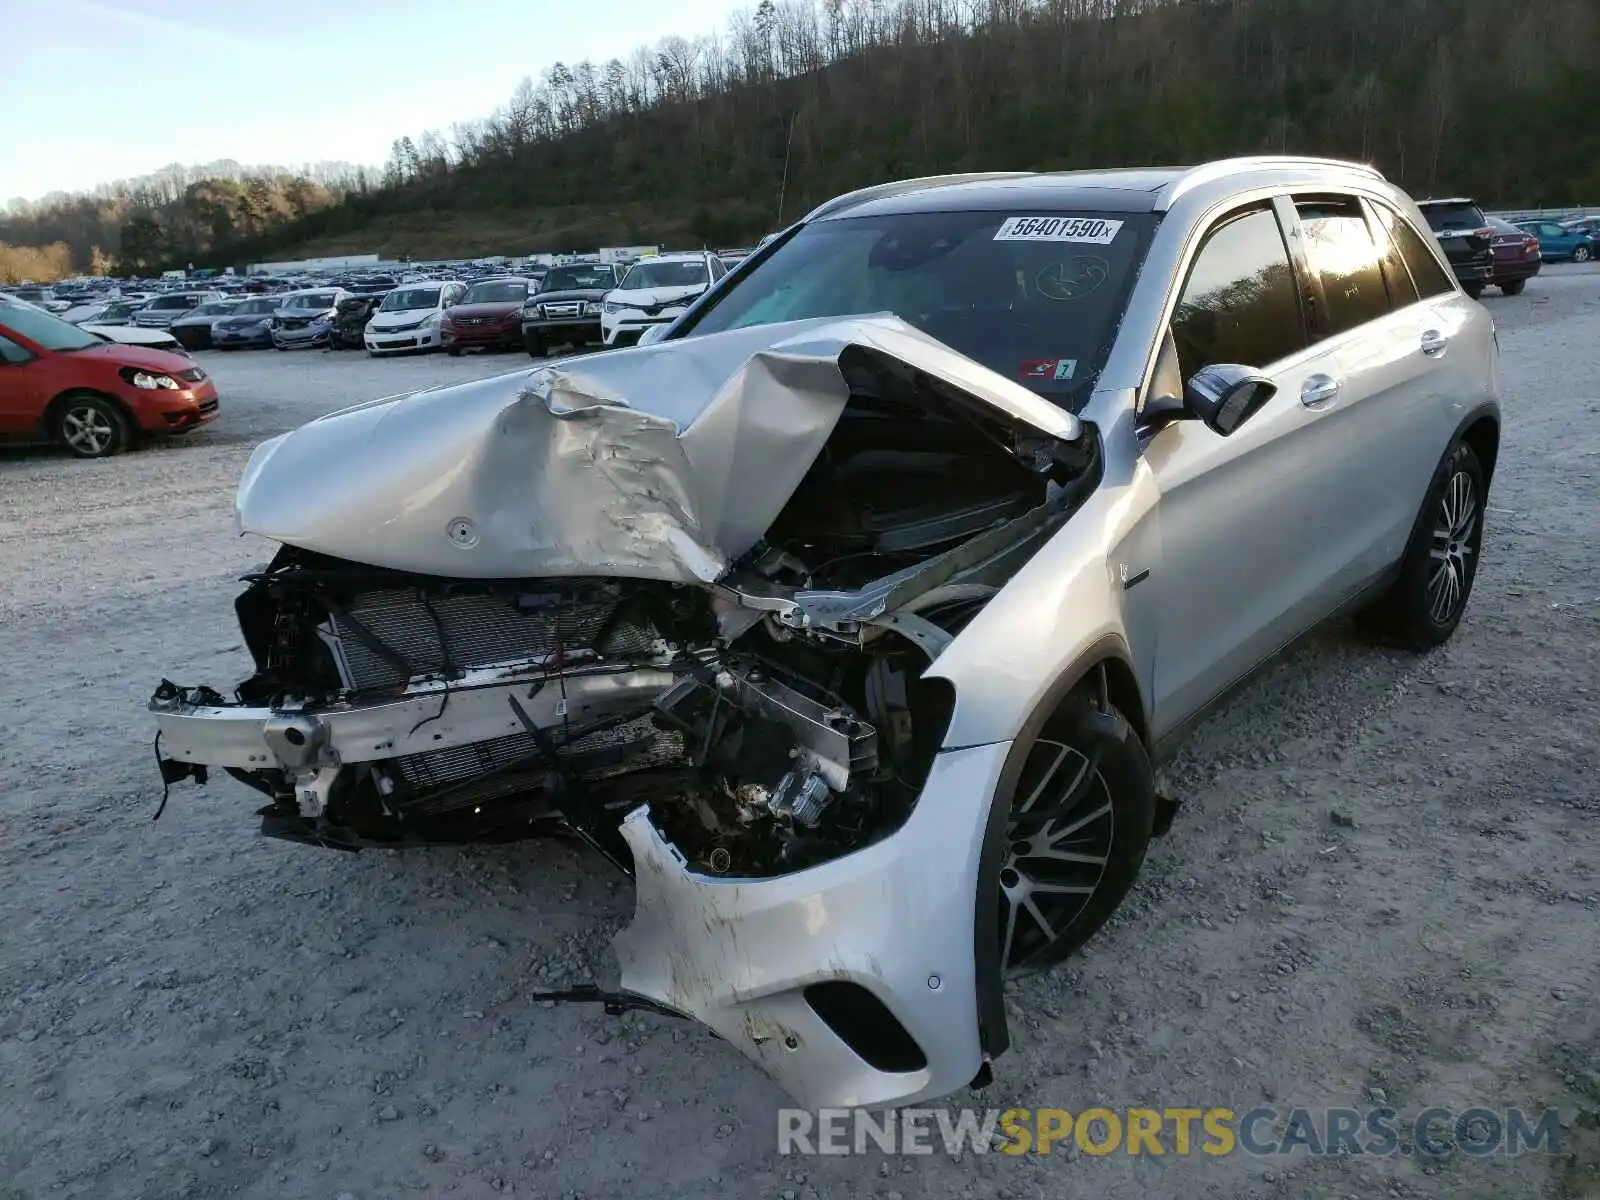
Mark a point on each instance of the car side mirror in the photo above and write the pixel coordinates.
(1226, 395)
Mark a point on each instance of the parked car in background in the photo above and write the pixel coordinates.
(118, 312)
(162, 310)
(135, 335)
(565, 309)
(1560, 243)
(1467, 238)
(656, 291)
(1589, 225)
(248, 325)
(371, 286)
(1516, 257)
(304, 318)
(60, 382)
(409, 318)
(488, 316)
(193, 328)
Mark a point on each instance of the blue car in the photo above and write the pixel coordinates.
(1560, 243)
(246, 326)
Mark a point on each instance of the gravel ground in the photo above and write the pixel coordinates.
(189, 1010)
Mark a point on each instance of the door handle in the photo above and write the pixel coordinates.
(1434, 343)
(1318, 390)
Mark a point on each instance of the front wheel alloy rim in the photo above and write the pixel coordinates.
(1059, 840)
(1453, 538)
(87, 429)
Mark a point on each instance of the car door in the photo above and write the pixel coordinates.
(1386, 352)
(1243, 518)
(22, 388)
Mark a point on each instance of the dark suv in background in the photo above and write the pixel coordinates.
(1467, 238)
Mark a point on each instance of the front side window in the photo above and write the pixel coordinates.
(1430, 278)
(1240, 304)
(1033, 296)
(1344, 258)
(12, 353)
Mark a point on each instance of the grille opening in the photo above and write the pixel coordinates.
(865, 1024)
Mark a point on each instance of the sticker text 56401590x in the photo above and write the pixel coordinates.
(1094, 230)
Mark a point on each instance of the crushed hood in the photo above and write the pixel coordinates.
(662, 462)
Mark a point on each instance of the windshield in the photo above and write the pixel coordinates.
(578, 278)
(497, 291)
(1035, 300)
(663, 275)
(409, 298)
(165, 302)
(210, 310)
(118, 309)
(253, 308)
(311, 300)
(44, 330)
(1446, 217)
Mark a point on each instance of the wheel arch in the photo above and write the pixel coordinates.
(52, 410)
(1107, 664)
(1481, 431)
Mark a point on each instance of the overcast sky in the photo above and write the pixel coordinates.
(97, 90)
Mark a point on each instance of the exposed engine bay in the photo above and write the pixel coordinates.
(771, 721)
(687, 603)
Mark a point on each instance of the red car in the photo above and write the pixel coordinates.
(1516, 257)
(488, 316)
(63, 384)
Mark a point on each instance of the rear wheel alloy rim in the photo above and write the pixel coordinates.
(1453, 542)
(1059, 841)
(87, 429)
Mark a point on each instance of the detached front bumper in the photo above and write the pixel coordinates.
(851, 983)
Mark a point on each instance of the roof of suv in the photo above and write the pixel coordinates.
(1123, 189)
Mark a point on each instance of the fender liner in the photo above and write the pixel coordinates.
(993, 1035)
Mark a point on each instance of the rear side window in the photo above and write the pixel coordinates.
(1396, 275)
(1430, 278)
(1240, 304)
(1345, 259)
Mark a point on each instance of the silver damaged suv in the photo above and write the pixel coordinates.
(851, 616)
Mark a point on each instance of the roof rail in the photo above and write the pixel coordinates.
(1222, 168)
(900, 187)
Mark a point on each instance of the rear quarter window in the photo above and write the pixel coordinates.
(1430, 278)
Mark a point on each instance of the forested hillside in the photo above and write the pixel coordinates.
(724, 138)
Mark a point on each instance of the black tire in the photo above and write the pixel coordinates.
(1087, 783)
(1425, 604)
(536, 346)
(1581, 254)
(1515, 287)
(1473, 290)
(453, 351)
(91, 426)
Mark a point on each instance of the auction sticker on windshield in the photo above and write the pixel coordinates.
(1092, 230)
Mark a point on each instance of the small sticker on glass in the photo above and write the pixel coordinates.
(1094, 231)
(1054, 369)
